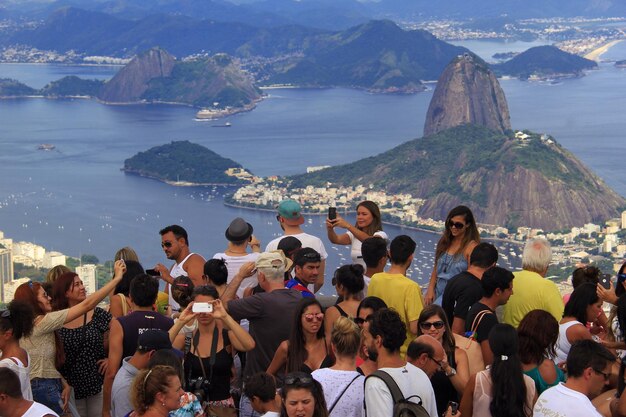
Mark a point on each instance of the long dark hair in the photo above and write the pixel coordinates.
(62, 284)
(471, 231)
(297, 353)
(133, 268)
(447, 341)
(508, 397)
(377, 224)
(538, 332)
(582, 297)
(619, 287)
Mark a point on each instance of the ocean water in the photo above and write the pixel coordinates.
(76, 200)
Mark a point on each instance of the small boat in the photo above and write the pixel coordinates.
(227, 124)
(46, 147)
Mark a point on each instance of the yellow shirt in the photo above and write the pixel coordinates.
(531, 291)
(401, 294)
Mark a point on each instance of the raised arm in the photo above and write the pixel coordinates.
(342, 239)
(246, 270)
(241, 339)
(92, 301)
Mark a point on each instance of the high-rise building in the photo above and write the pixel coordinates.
(87, 274)
(624, 219)
(6, 273)
(52, 259)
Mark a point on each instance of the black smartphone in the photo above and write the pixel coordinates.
(152, 272)
(455, 407)
(332, 213)
(605, 281)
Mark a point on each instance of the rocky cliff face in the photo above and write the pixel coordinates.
(467, 93)
(132, 81)
(504, 180)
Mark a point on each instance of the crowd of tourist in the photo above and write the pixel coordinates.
(245, 333)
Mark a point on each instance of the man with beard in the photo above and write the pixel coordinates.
(175, 244)
(384, 332)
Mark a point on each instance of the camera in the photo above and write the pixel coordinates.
(200, 388)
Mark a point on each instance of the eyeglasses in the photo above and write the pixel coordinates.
(166, 244)
(436, 361)
(314, 316)
(456, 225)
(5, 314)
(604, 374)
(291, 380)
(436, 324)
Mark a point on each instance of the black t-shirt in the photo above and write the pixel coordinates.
(484, 323)
(462, 291)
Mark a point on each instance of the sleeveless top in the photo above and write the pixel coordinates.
(540, 384)
(448, 266)
(444, 390)
(562, 344)
(177, 270)
(483, 393)
(137, 322)
(219, 388)
(341, 311)
(23, 373)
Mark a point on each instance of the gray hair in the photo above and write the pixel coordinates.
(273, 273)
(537, 255)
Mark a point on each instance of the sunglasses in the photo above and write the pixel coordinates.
(621, 277)
(166, 244)
(314, 316)
(456, 225)
(359, 321)
(604, 374)
(436, 324)
(292, 380)
(5, 314)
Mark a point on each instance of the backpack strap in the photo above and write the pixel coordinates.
(394, 389)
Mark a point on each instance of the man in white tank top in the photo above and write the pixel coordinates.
(12, 404)
(175, 244)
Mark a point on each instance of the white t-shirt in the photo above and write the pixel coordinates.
(308, 241)
(176, 271)
(334, 382)
(38, 410)
(233, 263)
(22, 372)
(562, 401)
(410, 379)
(355, 252)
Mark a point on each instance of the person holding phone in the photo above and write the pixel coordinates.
(368, 224)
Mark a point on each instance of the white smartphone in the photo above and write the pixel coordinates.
(202, 308)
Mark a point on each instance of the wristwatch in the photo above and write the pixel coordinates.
(451, 372)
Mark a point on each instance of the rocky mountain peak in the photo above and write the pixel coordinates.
(132, 81)
(467, 93)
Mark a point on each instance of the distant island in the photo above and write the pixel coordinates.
(544, 62)
(155, 76)
(186, 164)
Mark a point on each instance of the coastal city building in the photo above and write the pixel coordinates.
(6, 273)
(87, 274)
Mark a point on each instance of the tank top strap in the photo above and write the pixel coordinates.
(342, 312)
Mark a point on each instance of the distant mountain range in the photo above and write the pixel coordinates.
(326, 14)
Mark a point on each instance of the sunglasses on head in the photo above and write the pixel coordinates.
(313, 257)
(166, 244)
(436, 324)
(621, 277)
(5, 314)
(314, 316)
(456, 225)
(292, 380)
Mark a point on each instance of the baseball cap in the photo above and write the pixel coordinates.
(273, 259)
(153, 339)
(291, 211)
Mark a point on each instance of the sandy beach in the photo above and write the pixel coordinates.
(597, 53)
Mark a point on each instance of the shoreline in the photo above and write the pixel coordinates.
(598, 52)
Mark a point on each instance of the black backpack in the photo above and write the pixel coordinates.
(402, 407)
